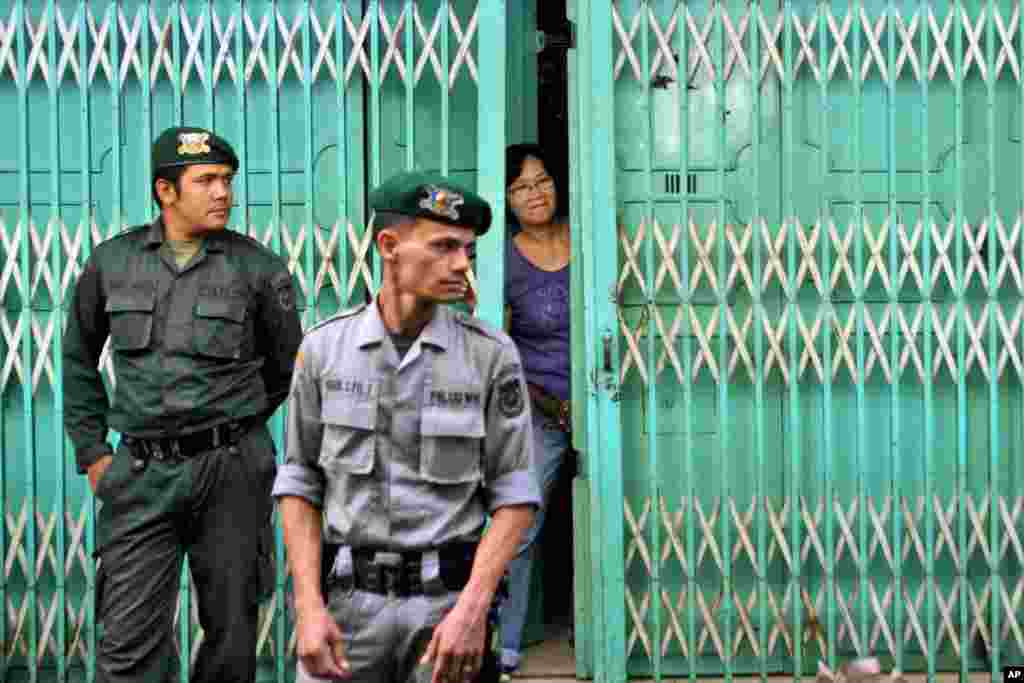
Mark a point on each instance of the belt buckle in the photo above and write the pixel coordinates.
(564, 415)
(389, 568)
(157, 450)
(369, 575)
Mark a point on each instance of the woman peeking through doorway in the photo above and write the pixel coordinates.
(537, 319)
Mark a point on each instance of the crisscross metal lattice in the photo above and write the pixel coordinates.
(703, 578)
(303, 91)
(815, 245)
(89, 33)
(816, 365)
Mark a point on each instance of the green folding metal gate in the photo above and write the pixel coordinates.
(801, 238)
(321, 100)
(797, 303)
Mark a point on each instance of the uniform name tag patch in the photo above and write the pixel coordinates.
(350, 387)
(454, 399)
(223, 291)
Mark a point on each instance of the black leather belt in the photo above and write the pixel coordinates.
(387, 574)
(189, 445)
(400, 573)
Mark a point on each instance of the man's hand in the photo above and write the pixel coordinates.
(319, 644)
(97, 470)
(457, 648)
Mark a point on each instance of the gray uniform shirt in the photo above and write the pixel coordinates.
(413, 453)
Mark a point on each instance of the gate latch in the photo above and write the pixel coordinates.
(562, 39)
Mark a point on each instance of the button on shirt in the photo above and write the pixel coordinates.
(407, 453)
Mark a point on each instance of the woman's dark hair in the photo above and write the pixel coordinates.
(171, 174)
(515, 155)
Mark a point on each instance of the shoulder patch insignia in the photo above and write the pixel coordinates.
(511, 401)
(285, 291)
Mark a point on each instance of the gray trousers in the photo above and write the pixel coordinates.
(216, 507)
(385, 636)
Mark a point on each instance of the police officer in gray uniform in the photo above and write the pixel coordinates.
(408, 426)
(203, 333)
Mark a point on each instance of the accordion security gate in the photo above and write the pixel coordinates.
(321, 100)
(805, 382)
(801, 386)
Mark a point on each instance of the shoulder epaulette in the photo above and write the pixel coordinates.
(478, 326)
(248, 239)
(347, 313)
(134, 230)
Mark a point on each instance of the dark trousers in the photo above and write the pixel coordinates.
(216, 507)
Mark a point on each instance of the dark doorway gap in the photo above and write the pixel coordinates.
(556, 540)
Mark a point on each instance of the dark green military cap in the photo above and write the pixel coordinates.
(433, 196)
(185, 146)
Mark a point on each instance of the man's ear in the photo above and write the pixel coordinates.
(166, 191)
(387, 244)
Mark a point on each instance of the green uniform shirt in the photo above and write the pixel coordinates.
(191, 348)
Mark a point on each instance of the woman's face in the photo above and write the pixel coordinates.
(531, 196)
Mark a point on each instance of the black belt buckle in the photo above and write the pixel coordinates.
(154, 449)
(388, 568)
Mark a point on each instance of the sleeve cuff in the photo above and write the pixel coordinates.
(513, 488)
(298, 480)
(87, 456)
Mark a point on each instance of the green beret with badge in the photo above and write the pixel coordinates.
(187, 145)
(432, 196)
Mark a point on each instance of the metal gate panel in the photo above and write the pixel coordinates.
(320, 99)
(814, 333)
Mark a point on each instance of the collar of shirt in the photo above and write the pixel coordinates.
(155, 237)
(372, 329)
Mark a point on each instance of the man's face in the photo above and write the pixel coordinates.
(203, 203)
(429, 260)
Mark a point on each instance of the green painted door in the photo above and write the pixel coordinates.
(804, 342)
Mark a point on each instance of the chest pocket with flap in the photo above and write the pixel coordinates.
(349, 434)
(219, 327)
(452, 439)
(131, 320)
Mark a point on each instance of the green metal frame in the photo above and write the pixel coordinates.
(809, 432)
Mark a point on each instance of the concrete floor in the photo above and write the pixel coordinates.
(553, 662)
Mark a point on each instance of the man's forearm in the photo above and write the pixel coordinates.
(301, 523)
(499, 545)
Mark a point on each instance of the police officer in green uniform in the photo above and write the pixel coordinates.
(408, 426)
(203, 335)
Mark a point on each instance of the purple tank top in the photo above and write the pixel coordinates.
(539, 325)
